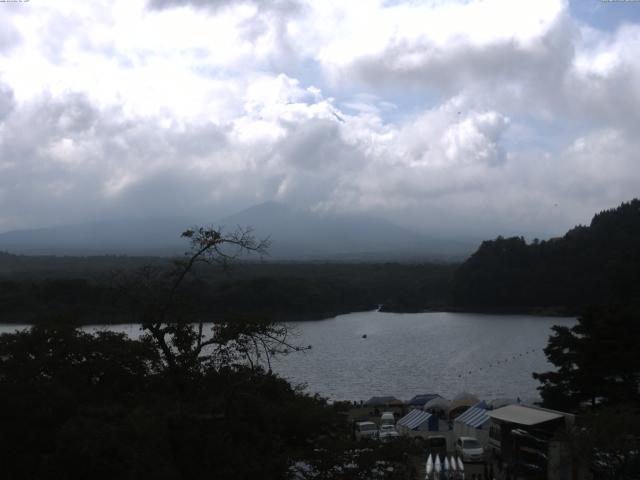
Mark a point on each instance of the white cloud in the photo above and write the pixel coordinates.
(458, 115)
(412, 41)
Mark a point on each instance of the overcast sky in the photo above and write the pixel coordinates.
(476, 117)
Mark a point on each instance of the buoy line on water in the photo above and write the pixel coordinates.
(498, 362)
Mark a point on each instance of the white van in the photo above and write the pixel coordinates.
(387, 418)
(469, 449)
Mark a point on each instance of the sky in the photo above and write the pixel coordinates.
(473, 118)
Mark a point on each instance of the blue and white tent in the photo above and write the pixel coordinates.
(417, 421)
(474, 422)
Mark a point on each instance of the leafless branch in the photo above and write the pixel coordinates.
(154, 292)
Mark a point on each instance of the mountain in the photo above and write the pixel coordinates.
(295, 234)
(300, 234)
(593, 264)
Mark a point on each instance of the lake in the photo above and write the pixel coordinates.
(491, 356)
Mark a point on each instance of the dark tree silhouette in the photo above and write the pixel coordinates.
(162, 300)
(597, 360)
(589, 265)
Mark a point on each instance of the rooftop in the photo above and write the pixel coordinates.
(523, 415)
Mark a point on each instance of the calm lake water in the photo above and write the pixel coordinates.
(491, 356)
(407, 354)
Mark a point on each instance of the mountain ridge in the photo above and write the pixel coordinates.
(296, 234)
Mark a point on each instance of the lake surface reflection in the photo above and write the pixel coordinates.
(491, 356)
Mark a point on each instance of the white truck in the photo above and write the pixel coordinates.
(362, 430)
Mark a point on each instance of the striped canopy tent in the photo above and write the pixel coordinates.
(474, 422)
(438, 404)
(475, 417)
(462, 402)
(417, 421)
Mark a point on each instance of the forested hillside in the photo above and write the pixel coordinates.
(592, 264)
(35, 288)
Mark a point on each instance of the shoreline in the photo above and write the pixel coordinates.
(537, 311)
(117, 319)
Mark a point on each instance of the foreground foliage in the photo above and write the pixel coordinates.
(597, 360)
(104, 406)
(598, 376)
(608, 440)
(177, 403)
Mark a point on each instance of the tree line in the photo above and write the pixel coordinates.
(589, 265)
(283, 291)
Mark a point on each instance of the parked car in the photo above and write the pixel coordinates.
(469, 449)
(387, 418)
(362, 430)
(436, 445)
(388, 432)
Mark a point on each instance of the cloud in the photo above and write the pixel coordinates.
(445, 45)
(604, 82)
(278, 5)
(522, 58)
(7, 102)
(65, 158)
(264, 24)
(474, 116)
(10, 36)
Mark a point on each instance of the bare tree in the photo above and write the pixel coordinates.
(155, 294)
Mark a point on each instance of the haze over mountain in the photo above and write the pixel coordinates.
(126, 236)
(295, 234)
(303, 234)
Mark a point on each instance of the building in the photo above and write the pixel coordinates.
(527, 443)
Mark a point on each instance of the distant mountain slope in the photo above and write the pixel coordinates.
(589, 265)
(307, 235)
(132, 237)
(295, 234)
